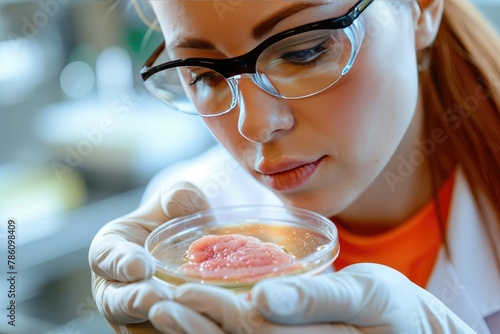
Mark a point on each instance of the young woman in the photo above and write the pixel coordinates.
(383, 115)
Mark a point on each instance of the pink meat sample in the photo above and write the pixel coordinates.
(236, 257)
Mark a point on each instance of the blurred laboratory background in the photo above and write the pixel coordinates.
(79, 140)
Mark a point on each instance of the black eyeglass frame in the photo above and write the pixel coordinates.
(247, 63)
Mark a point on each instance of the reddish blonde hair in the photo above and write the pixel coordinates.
(461, 93)
(423, 3)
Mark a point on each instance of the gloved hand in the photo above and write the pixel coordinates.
(122, 283)
(362, 298)
(198, 308)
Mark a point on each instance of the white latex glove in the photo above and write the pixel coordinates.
(374, 298)
(122, 283)
(205, 309)
(362, 298)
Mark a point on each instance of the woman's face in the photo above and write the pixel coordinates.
(320, 152)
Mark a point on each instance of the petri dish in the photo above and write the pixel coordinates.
(310, 238)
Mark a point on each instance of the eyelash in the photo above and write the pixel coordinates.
(317, 56)
(203, 76)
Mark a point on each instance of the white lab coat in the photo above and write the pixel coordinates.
(469, 283)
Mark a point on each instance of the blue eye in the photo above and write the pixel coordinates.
(306, 56)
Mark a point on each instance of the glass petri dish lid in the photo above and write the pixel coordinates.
(235, 247)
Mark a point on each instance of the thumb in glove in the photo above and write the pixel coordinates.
(117, 251)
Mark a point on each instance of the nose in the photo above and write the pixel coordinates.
(262, 117)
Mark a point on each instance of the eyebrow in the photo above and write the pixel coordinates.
(260, 30)
(191, 43)
(264, 27)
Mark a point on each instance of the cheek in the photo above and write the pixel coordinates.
(225, 130)
(373, 107)
(222, 128)
(394, 85)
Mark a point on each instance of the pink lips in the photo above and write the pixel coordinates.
(288, 175)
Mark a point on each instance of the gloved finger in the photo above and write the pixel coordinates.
(336, 297)
(117, 252)
(182, 199)
(113, 257)
(127, 303)
(235, 314)
(223, 306)
(172, 318)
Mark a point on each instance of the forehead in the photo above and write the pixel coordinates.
(241, 19)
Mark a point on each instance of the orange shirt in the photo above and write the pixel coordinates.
(411, 247)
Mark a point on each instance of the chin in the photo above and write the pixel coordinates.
(327, 206)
